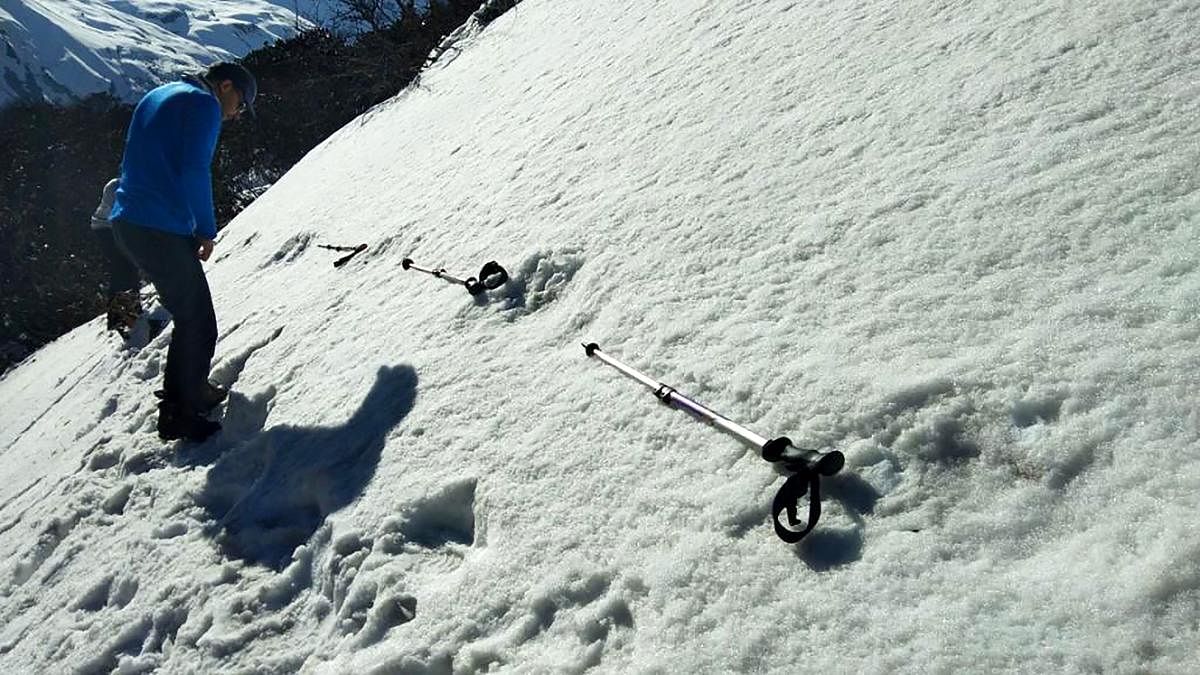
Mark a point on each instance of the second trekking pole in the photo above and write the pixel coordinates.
(491, 276)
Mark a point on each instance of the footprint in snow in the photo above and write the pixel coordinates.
(537, 282)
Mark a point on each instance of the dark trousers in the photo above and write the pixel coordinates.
(122, 272)
(170, 262)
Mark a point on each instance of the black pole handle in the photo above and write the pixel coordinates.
(492, 276)
(794, 459)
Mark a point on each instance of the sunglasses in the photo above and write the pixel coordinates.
(242, 106)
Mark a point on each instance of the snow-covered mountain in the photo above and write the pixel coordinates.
(61, 50)
(956, 241)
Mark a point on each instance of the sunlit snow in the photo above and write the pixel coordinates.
(956, 241)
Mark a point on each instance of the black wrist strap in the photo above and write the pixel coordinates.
(788, 498)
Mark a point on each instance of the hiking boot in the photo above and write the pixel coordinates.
(212, 397)
(175, 422)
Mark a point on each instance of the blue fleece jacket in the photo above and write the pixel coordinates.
(166, 175)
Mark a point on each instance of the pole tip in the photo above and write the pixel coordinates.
(590, 348)
(406, 263)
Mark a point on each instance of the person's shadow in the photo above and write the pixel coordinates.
(271, 493)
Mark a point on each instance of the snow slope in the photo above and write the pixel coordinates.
(956, 241)
(61, 50)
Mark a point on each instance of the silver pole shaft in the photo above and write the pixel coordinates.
(672, 397)
(440, 273)
(629, 372)
(443, 274)
(680, 401)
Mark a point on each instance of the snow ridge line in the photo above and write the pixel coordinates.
(488, 12)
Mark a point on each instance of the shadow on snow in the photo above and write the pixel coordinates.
(270, 493)
(829, 545)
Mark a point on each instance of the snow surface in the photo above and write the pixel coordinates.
(62, 50)
(956, 241)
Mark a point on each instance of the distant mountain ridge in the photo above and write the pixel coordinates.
(65, 50)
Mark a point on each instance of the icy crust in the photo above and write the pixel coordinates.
(955, 242)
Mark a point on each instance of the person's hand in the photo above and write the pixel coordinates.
(206, 248)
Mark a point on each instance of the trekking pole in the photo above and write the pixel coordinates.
(805, 466)
(354, 250)
(491, 276)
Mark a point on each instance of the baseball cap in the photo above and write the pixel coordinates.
(241, 78)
